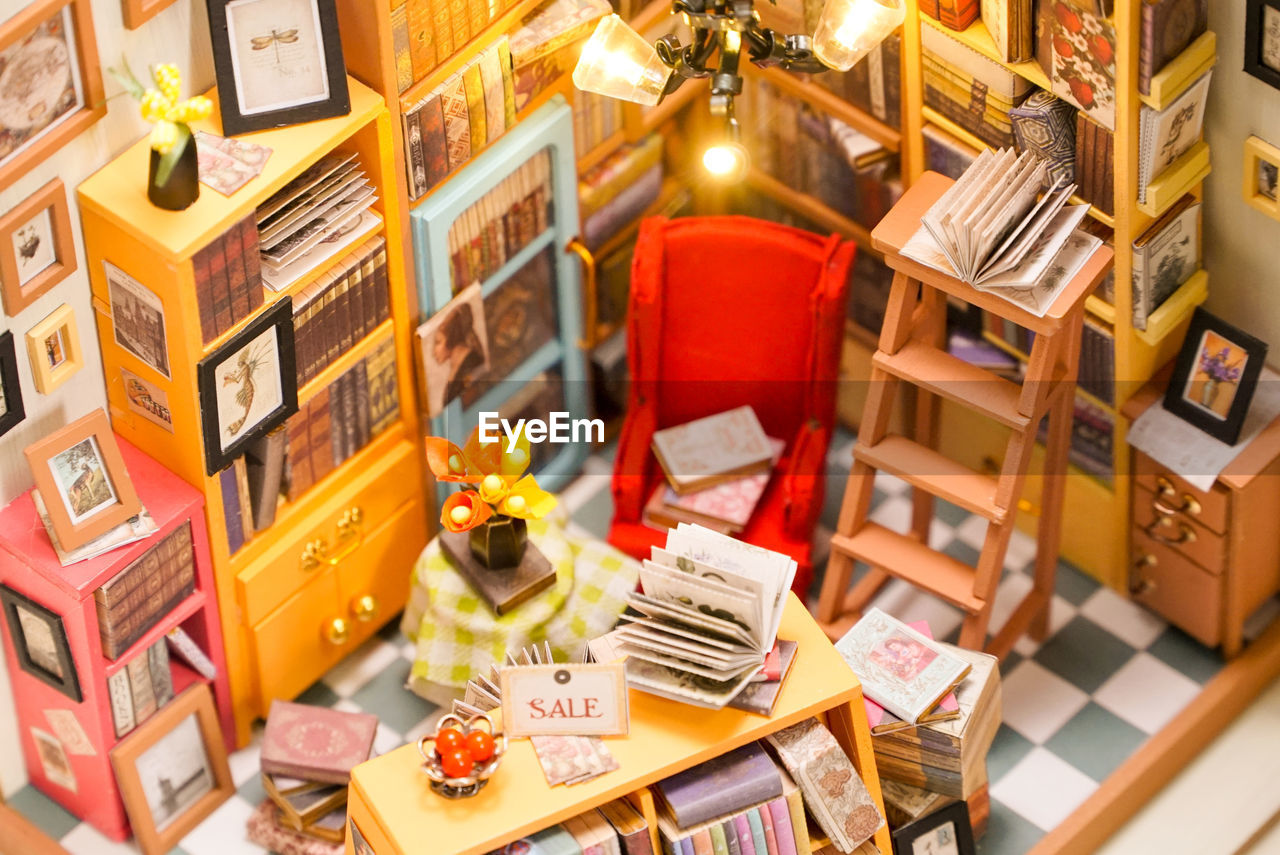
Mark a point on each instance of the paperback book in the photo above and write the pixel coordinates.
(707, 451)
(1165, 135)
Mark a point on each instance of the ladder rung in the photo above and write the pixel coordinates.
(934, 473)
(908, 559)
(941, 373)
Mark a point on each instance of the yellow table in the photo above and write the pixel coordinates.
(397, 813)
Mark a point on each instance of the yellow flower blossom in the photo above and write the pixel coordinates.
(163, 136)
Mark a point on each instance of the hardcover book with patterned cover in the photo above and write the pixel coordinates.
(721, 786)
(131, 602)
(1168, 27)
(263, 829)
(1046, 125)
(315, 743)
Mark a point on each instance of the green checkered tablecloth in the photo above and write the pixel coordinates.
(458, 636)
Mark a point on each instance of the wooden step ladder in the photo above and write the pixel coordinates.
(912, 357)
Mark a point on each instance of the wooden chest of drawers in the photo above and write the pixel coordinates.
(1206, 559)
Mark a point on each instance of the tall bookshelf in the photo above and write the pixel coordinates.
(334, 565)
(1096, 514)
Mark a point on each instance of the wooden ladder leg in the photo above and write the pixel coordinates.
(924, 429)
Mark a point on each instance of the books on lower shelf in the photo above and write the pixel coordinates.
(140, 687)
(614, 828)
(505, 220)
(228, 279)
(713, 449)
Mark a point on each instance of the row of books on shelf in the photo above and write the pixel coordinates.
(340, 308)
(135, 599)
(228, 279)
(330, 427)
(450, 124)
(595, 119)
(616, 191)
(427, 32)
(1074, 41)
(505, 220)
(144, 684)
(874, 84)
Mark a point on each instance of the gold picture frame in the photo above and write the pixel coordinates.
(1262, 176)
(183, 740)
(52, 40)
(37, 250)
(82, 480)
(53, 349)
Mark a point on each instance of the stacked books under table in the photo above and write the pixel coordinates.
(925, 764)
(307, 756)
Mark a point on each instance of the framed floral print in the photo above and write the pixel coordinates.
(37, 250)
(50, 82)
(247, 386)
(1215, 376)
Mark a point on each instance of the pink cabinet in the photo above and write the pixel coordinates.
(61, 625)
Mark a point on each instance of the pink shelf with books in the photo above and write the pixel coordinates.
(62, 624)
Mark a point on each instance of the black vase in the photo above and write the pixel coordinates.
(183, 186)
(499, 542)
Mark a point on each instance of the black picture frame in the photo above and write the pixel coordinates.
(954, 815)
(1193, 397)
(213, 373)
(68, 682)
(1255, 35)
(245, 81)
(14, 412)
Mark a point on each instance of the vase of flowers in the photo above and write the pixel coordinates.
(495, 513)
(173, 179)
(1217, 370)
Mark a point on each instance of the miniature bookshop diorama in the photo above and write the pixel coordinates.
(682, 427)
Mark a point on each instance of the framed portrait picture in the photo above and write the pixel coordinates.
(1262, 40)
(36, 247)
(172, 771)
(1215, 376)
(40, 643)
(50, 82)
(248, 386)
(944, 832)
(278, 62)
(53, 349)
(82, 479)
(1261, 176)
(137, 317)
(454, 348)
(11, 409)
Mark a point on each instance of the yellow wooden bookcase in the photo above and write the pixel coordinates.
(397, 813)
(286, 618)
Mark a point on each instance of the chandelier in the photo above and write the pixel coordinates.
(617, 61)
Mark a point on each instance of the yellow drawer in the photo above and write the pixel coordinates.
(1179, 532)
(1174, 587)
(369, 498)
(1208, 508)
(338, 609)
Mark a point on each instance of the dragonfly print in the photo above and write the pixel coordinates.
(248, 363)
(274, 40)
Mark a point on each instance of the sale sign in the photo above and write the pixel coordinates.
(578, 700)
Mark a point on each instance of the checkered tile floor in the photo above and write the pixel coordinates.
(1110, 676)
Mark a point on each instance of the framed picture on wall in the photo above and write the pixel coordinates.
(37, 250)
(53, 349)
(278, 62)
(40, 643)
(82, 480)
(12, 411)
(248, 386)
(138, 12)
(1262, 40)
(1215, 376)
(50, 82)
(1262, 176)
(172, 771)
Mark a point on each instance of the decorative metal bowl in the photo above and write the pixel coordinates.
(458, 788)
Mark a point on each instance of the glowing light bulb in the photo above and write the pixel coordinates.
(726, 161)
(848, 29)
(616, 61)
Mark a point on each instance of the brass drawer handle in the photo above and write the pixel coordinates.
(366, 608)
(1185, 533)
(1144, 585)
(350, 537)
(1166, 490)
(337, 631)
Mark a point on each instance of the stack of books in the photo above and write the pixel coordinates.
(717, 469)
(970, 89)
(614, 828)
(308, 753)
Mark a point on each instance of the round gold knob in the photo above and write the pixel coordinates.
(365, 609)
(337, 631)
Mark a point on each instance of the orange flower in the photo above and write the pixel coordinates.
(449, 463)
(464, 511)
(527, 500)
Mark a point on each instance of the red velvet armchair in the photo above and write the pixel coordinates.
(726, 311)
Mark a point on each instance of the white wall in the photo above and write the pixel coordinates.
(1242, 246)
(179, 34)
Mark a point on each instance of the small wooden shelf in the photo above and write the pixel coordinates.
(1175, 309)
(1180, 178)
(1200, 56)
(831, 104)
(194, 602)
(810, 208)
(978, 37)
